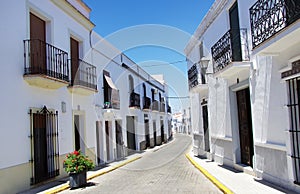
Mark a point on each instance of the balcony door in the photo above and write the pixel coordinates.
(37, 45)
(235, 32)
(74, 47)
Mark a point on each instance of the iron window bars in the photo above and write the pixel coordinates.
(44, 145)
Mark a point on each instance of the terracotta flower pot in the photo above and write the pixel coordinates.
(77, 179)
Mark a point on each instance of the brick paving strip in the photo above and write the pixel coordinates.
(221, 186)
(66, 186)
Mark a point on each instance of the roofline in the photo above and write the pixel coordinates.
(207, 20)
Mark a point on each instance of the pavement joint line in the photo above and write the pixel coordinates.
(112, 168)
(221, 186)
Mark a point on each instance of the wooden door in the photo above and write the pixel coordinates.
(162, 131)
(37, 45)
(205, 128)
(245, 126)
(154, 133)
(107, 133)
(235, 33)
(119, 138)
(40, 147)
(74, 45)
(130, 133)
(147, 135)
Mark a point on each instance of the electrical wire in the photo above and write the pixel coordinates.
(161, 64)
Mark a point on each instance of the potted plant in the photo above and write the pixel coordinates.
(77, 164)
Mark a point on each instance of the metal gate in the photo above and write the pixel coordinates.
(294, 111)
(44, 144)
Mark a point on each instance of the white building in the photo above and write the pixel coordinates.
(54, 102)
(243, 71)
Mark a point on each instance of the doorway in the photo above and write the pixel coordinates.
(162, 131)
(98, 139)
(205, 128)
(147, 135)
(119, 138)
(130, 126)
(78, 133)
(154, 133)
(107, 139)
(245, 126)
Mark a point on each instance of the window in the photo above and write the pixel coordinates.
(111, 92)
(294, 108)
(44, 144)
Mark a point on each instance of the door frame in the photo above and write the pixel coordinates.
(82, 123)
(99, 142)
(236, 150)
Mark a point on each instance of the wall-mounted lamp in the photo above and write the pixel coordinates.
(204, 61)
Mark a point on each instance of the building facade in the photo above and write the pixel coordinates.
(63, 91)
(242, 63)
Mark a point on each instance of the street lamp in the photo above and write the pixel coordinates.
(204, 61)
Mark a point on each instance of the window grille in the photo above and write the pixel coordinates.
(44, 144)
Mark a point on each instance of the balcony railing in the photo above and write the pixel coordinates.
(155, 105)
(41, 58)
(146, 103)
(134, 100)
(85, 74)
(193, 76)
(162, 107)
(268, 17)
(232, 47)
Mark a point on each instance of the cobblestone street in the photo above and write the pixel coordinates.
(164, 170)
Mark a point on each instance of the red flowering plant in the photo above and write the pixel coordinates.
(76, 162)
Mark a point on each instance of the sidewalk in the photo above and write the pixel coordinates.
(233, 180)
(63, 184)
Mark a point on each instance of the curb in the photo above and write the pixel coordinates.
(222, 187)
(112, 168)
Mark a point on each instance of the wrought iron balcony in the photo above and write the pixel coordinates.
(268, 17)
(84, 75)
(43, 59)
(134, 100)
(155, 105)
(146, 102)
(162, 107)
(232, 47)
(193, 76)
(196, 75)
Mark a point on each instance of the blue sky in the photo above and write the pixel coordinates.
(126, 25)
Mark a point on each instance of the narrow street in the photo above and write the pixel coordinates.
(164, 170)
